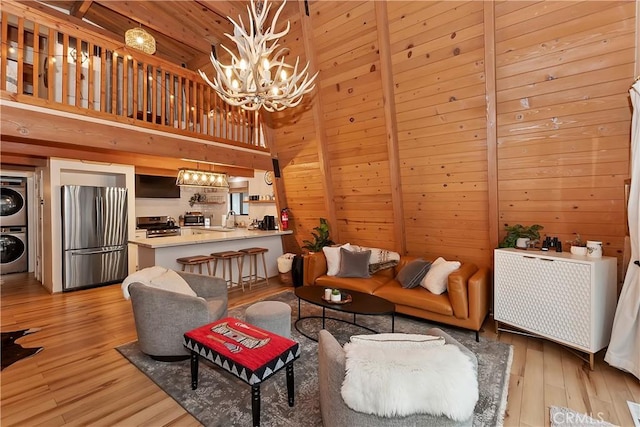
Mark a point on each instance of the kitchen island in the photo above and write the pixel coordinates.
(164, 251)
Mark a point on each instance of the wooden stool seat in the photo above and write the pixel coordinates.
(253, 277)
(194, 260)
(229, 256)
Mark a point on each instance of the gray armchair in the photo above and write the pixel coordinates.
(162, 317)
(335, 413)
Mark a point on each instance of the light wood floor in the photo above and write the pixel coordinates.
(79, 379)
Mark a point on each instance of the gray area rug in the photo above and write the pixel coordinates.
(223, 400)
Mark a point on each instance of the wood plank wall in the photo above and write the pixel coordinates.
(563, 70)
(297, 145)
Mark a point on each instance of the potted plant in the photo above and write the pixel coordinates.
(320, 237)
(336, 295)
(578, 246)
(520, 236)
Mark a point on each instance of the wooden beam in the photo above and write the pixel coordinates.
(492, 131)
(27, 149)
(80, 7)
(25, 121)
(388, 93)
(16, 159)
(318, 121)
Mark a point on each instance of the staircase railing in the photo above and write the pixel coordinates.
(45, 62)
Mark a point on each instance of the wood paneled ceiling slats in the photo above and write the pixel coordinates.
(184, 30)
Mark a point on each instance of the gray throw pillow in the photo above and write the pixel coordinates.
(413, 273)
(354, 264)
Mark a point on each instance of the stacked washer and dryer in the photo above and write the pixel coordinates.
(13, 225)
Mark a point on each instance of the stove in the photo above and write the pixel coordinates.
(158, 226)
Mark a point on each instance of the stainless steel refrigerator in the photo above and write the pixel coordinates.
(94, 236)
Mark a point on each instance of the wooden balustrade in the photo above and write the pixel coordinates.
(88, 74)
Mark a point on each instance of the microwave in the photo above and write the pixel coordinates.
(193, 219)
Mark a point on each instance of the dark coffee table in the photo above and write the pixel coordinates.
(361, 303)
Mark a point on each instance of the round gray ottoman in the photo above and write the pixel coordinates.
(274, 316)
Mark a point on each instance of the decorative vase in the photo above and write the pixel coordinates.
(336, 297)
(579, 250)
(594, 249)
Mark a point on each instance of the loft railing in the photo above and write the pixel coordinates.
(91, 75)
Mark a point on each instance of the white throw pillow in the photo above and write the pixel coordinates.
(172, 281)
(398, 341)
(389, 383)
(436, 279)
(332, 254)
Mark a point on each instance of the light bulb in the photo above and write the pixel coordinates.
(235, 84)
(283, 75)
(196, 177)
(12, 50)
(265, 63)
(53, 59)
(212, 178)
(243, 64)
(227, 72)
(139, 40)
(186, 175)
(274, 91)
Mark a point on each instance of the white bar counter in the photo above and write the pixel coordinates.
(164, 251)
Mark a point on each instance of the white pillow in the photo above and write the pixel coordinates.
(332, 254)
(398, 341)
(172, 281)
(436, 279)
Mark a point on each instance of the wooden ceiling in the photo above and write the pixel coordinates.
(184, 30)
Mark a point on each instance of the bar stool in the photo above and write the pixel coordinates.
(253, 277)
(227, 257)
(194, 260)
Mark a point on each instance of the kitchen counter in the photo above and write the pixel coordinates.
(201, 240)
(202, 234)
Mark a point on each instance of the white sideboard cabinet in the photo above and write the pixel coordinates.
(566, 298)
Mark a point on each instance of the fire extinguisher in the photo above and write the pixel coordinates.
(284, 216)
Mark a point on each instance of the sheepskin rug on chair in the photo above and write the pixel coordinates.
(389, 381)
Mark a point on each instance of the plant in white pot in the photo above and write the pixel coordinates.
(578, 246)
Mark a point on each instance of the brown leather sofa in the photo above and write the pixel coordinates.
(465, 304)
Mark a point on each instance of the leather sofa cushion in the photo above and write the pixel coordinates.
(368, 285)
(416, 297)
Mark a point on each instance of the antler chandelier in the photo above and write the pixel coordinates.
(258, 76)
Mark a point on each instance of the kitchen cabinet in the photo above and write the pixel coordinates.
(566, 298)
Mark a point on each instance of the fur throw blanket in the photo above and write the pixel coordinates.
(391, 381)
(157, 277)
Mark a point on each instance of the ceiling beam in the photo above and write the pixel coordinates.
(24, 121)
(20, 160)
(20, 148)
(80, 7)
